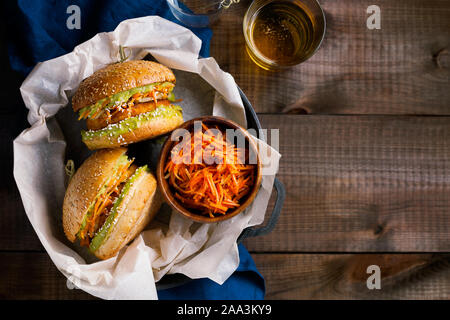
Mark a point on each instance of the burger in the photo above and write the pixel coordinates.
(127, 102)
(108, 202)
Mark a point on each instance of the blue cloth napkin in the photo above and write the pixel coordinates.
(38, 33)
(246, 283)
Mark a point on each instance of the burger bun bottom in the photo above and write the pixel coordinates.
(147, 130)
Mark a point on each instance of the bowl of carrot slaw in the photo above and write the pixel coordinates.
(209, 169)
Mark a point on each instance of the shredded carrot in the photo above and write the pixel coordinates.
(154, 96)
(102, 202)
(211, 188)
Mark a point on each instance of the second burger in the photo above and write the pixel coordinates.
(108, 202)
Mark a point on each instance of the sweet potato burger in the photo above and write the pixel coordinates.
(127, 102)
(108, 202)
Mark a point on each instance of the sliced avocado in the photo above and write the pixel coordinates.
(171, 97)
(115, 130)
(122, 97)
(112, 218)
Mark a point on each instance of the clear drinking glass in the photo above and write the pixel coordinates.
(283, 33)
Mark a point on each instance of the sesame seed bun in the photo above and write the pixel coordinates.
(138, 207)
(119, 77)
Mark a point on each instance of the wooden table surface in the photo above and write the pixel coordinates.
(365, 143)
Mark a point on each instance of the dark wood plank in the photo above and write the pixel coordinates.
(325, 276)
(404, 68)
(288, 276)
(361, 184)
(32, 275)
(354, 183)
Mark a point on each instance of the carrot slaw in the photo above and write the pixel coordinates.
(210, 189)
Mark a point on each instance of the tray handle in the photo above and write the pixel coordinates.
(273, 219)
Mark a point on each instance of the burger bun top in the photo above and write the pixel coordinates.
(119, 77)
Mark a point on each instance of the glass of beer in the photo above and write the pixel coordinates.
(283, 33)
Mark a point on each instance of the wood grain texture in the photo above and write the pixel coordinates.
(404, 68)
(354, 183)
(32, 275)
(361, 184)
(325, 276)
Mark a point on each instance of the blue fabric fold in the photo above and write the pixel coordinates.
(246, 283)
(38, 32)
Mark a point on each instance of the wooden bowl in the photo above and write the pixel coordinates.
(167, 191)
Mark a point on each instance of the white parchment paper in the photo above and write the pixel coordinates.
(171, 243)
